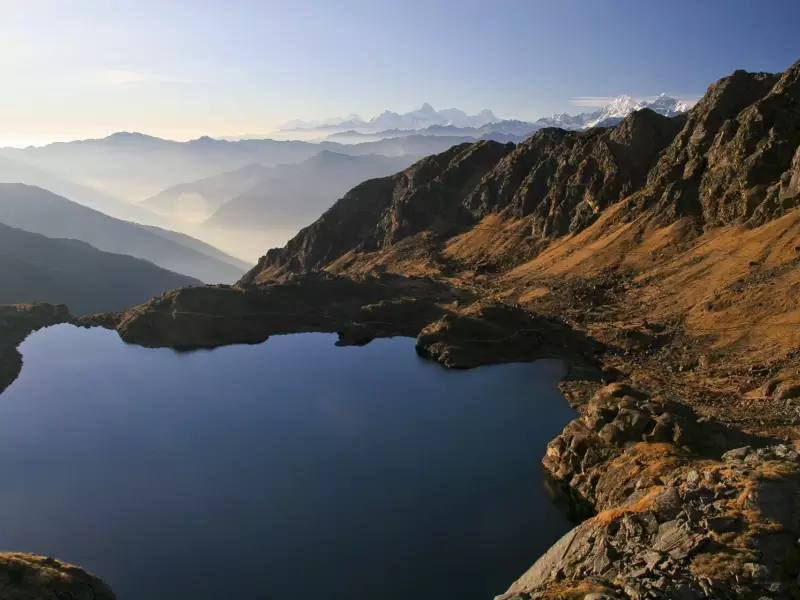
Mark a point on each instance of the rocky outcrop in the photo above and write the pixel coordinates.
(212, 316)
(31, 577)
(670, 514)
(451, 327)
(16, 323)
(726, 164)
(488, 333)
(563, 180)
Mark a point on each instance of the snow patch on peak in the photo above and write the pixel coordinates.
(613, 112)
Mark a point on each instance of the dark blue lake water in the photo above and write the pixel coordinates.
(290, 469)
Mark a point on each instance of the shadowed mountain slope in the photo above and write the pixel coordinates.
(39, 211)
(35, 268)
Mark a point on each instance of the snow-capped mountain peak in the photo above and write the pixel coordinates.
(620, 106)
(613, 112)
(421, 118)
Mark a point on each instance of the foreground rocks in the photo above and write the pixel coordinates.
(31, 577)
(672, 513)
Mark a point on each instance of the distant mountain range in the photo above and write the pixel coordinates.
(290, 196)
(16, 172)
(198, 200)
(427, 121)
(133, 166)
(499, 131)
(39, 211)
(614, 112)
(35, 268)
(423, 117)
(284, 196)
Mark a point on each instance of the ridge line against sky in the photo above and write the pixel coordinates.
(180, 69)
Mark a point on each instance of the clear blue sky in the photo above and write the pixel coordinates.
(182, 68)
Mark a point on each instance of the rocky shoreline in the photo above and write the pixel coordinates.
(675, 504)
(25, 575)
(452, 325)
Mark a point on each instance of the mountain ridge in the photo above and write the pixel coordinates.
(37, 210)
(419, 118)
(37, 269)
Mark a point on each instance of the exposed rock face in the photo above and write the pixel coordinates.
(561, 179)
(564, 179)
(668, 523)
(31, 577)
(380, 212)
(727, 162)
(488, 333)
(218, 315)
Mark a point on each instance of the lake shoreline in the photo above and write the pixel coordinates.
(436, 415)
(638, 450)
(637, 456)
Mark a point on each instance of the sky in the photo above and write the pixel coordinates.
(185, 68)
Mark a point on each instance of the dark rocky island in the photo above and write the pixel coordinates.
(658, 257)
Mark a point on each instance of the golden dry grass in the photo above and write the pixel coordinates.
(643, 504)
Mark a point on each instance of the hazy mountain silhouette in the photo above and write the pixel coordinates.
(133, 166)
(420, 118)
(199, 246)
(40, 211)
(507, 130)
(291, 195)
(200, 199)
(35, 268)
(15, 172)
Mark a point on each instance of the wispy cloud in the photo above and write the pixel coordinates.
(600, 101)
(591, 101)
(129, 79)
